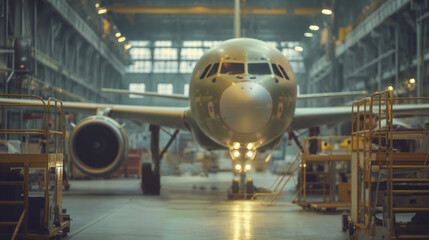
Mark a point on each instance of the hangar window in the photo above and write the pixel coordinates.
(232, 68)
(186, 89)
(258, 68)
(276, 70)
(163, 43)
(210, 44)
(165, 67)
(187, 66)
(165, 88)
(140, 53)
(192, 43)
(139, 43)
(136, 87)
(205, 71)
(213, 70)
(165, 53)
(191, 53)
(284, 72)
(140, 67)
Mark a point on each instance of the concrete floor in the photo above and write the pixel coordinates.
(189, 208)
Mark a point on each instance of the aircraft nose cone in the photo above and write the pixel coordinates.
(246, 107)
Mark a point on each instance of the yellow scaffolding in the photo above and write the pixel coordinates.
(44, 169)
(384, 179)
(335, 149)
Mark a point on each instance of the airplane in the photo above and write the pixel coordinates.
(242, 98)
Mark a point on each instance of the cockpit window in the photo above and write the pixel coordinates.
(284, 72)
(205, 71)
(232, 68)
(258, 68)
(213, 70)
(276, 70)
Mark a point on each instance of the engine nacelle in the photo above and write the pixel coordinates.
(98, 146)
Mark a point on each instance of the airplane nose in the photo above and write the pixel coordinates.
(246, 107)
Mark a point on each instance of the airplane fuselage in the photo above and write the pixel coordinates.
(243, 94)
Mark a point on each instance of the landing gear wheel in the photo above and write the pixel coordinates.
(235, 186)
(150, 180)
(249, 186)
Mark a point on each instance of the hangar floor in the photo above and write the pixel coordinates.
(190, 207)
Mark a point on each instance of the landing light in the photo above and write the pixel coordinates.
(327, 11)
(236, 154)
(247, 167)
(238, 167)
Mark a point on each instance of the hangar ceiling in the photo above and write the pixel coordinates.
(213, 20)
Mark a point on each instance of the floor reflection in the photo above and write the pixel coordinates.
(242, 221)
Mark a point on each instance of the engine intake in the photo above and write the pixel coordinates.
(98, 146)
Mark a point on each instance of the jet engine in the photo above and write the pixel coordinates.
(98, 146)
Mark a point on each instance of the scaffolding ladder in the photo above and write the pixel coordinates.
(389, 178)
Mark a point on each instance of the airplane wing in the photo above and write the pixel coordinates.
(147, 94)
(172, 117)
(312, 117)
(184, 97)
(330, 95)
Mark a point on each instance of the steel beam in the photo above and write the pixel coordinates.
(370, 23)
(54, 65)
(212, 10)
(87, 33)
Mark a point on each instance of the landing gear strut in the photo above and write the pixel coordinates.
(151, 178)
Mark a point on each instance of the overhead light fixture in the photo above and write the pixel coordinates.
(412, 80)
(326, 11)
(390, 88)
(308, 34)
(121, 39)
(313, 27)
(299, 48)
(118, 34)
(102, 11)
(127, 46)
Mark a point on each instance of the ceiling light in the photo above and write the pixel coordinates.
(412, 80)
(102, 10)
(121, 39)
(299, 48)
(327, 11)
(314, 27)
(118, 34)
(308, 34)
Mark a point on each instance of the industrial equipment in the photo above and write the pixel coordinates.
(31, 183)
